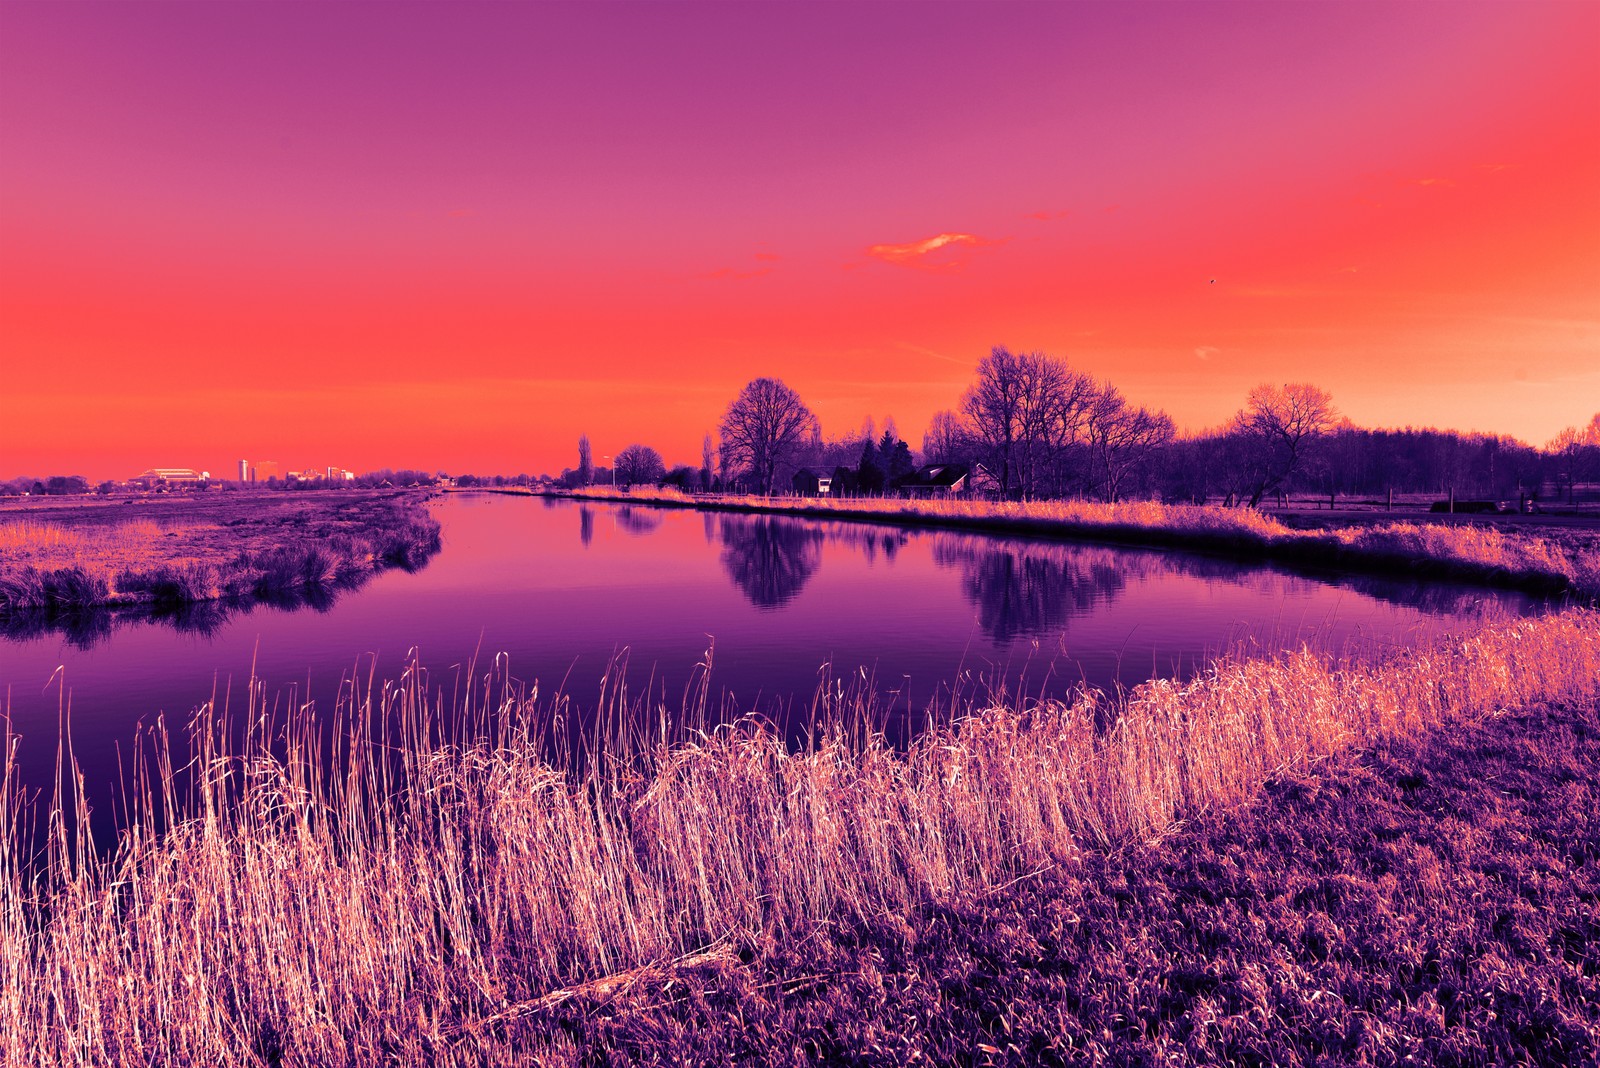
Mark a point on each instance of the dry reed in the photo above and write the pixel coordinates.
(401, 891)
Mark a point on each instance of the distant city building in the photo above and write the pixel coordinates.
(339, 474)
(171, 476)
(257, 470)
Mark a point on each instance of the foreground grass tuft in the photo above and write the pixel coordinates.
(408, 898)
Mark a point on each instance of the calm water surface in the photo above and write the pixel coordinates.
(562, 587)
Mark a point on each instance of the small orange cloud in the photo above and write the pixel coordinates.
(939, 252)
(1435, 181)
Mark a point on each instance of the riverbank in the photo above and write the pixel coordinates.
(1429, 900)
(497, 907)
(60, 558)
(1542, 560)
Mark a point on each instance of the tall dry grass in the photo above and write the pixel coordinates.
(404, 892)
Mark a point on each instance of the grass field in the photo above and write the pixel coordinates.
(60, 560)
(405, 898)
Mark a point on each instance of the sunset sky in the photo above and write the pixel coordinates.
(456, 236)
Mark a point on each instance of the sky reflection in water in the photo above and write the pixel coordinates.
(561, 587)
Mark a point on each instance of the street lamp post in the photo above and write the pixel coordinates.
(613, 471)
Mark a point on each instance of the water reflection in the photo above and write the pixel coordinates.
(639, 522)
(85, 628)
(1025, 590)
(585, 524)
(769, 560)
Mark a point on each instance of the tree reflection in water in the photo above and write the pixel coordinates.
(585, 524)
(770, 560)
(1024, 590)
(639, 522)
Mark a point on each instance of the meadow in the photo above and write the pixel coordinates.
(444, 879)
(61, 560)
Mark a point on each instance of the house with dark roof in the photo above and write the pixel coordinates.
(936, 480)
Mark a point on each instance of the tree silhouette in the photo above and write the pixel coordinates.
(1121, 438)
(1024, 414)
(585, 461)
(638, 465)
(763, 427)
(1279, 425)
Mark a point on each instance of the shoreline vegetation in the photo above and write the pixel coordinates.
(413, 895)
(59, 564)
(1470, 553)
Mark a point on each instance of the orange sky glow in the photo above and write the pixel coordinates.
(458, 236)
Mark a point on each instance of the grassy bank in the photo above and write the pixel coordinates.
(1424, 901)
(1547, 561)
(495, 904)
(58, 561)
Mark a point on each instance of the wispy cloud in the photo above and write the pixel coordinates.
(919, 350)
(1205, 352)
(940, 252)
(735, 275)
(1435, 181)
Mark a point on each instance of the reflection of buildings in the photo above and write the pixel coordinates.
(769, 559)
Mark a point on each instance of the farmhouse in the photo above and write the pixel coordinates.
(936, 480)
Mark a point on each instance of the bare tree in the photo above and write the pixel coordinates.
(1121, 438)
(585, 461)
(637, 465)
(1025, 412)
(1576, 450)
(1279, 425)
(945, 441)
(763, 427)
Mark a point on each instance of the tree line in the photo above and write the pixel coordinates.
(1031, 426)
